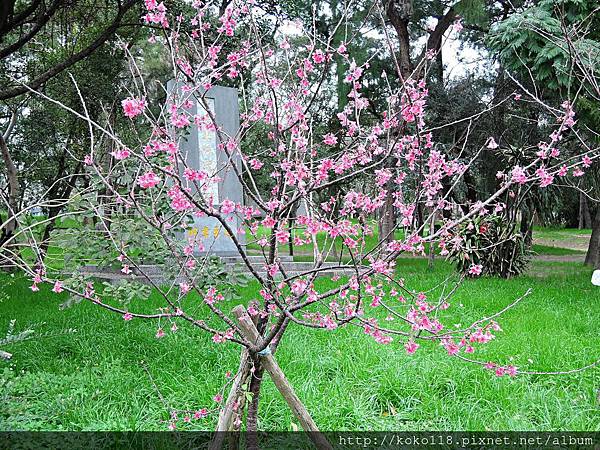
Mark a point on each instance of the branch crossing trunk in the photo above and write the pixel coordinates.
(269, 364)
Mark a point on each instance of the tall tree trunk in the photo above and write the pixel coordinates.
(54, 211)
(399, 12)
(526, 227)
(592, 257)
(585, 217)
(342, 88)
(387, 219)
(431, 258)
(14, 192)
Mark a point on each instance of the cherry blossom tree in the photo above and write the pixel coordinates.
(151, 179)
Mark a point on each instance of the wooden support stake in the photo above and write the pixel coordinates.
(281, 382)
(226, 415)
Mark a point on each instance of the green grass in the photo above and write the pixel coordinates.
(93, 379)
(557, 232)
(554, 251)
(560, 238)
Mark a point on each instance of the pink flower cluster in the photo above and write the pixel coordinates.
(133, 107)
(148, 180)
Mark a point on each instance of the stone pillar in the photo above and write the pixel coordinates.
(201, 152)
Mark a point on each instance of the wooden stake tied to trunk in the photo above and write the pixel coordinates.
(226, 415)
(281, 382)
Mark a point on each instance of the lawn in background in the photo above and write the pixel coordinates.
(94, 378)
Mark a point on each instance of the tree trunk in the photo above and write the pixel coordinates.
(431, 258)
(387, 219)
(342, 88)
(252, 417)
(54, 211)
(526, 227)
(399, 12)
(585, 217)
(14, 191)
(267, 362)
(233, 405)
(292, 217)
(592, 257)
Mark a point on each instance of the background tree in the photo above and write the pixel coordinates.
(558, 44)
(39, 41)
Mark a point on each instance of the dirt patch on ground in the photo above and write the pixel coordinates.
(560, 258)
(571, 241)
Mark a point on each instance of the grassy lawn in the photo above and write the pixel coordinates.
(547, 241)
(566, 238)
(93, 379)
(554, 251)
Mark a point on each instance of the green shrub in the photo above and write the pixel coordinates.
(492, 242)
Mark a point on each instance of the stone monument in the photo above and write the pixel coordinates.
(201, 152)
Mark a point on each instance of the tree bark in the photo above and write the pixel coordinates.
(526, 227)
(400, 12)
(431, 258)
(14, 191)
(54, 211)
(39, 21)
(387, 219)
(252, 416)
(592, 257)
(585, 217)
(268, 363)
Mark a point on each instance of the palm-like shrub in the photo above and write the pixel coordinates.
(492, 242)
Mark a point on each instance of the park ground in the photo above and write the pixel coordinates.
(87, 369)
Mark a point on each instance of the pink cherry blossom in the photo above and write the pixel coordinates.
(587, 161)
(256, 164)
(563, 171)
(411, 347)
(491, 144)
(330, 139)
(148, 180)
(133, 107)
(122, 153)
(227, 206)
(518, 175)
(475, 269)
(58, 287)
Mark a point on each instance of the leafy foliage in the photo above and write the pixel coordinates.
(533, 41)
(12, 336)
(82, 241)
(493, 243)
